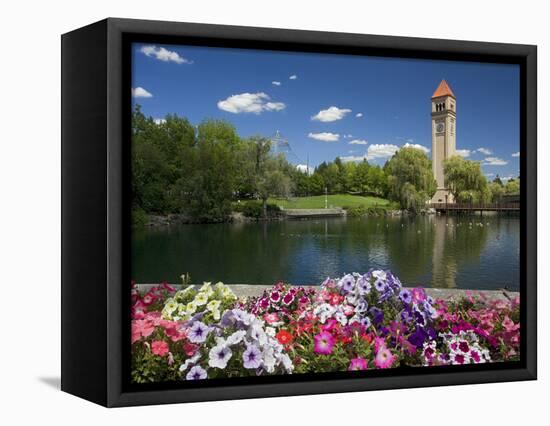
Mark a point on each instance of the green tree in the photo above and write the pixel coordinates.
(361, 177)
(317, 184)
(377, 180)
(410, 178)
(465, 180)
(512, 187)
(497, 191)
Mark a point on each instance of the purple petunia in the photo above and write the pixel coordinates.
(377, 314)
(363, 285)
(196, 373)
(347, 283)
(380, 285)
(361, 306)
(252, 357)
(405, 296)
(198, 332)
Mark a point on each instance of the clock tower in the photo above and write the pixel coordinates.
(443, 137)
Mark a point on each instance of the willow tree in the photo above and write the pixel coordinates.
(465, 180)
(410, 178)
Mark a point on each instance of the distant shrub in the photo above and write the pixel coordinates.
(361, 211)
(139, 218)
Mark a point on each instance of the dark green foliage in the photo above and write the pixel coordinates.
(139, 218)
(362, 211)
(254, 209)
(199, 171)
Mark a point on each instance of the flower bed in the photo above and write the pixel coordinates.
(357, 322)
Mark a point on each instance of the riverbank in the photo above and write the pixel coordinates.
(153, 220)
(251, 290)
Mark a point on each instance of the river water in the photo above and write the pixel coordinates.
(469, 252)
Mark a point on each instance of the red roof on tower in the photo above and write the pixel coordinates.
(443, 90)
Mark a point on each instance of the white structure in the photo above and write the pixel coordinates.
(443, 137)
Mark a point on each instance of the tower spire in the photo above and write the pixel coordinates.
(443, 90)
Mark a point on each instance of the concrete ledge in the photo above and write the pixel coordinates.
(305, 213)
(251, 290)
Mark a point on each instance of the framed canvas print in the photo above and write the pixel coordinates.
(252, 212)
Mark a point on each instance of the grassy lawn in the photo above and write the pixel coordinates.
(337, 200)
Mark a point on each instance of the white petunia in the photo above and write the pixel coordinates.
(236, 337)
(219, 356)
(190, 361)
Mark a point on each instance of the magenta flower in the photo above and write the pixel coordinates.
(288, 298)
(384, 358)
(324, 342)
(358, 364)
(275, 296)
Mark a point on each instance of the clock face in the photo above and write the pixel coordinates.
(440, 127)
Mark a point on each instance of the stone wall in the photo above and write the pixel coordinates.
(248, 290)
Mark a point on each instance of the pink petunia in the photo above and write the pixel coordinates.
(271, 318)
(358, 364)
(384, 358)
(324, 342)
(159, 347)
(509, 325)
(141, 328)
(148, 299)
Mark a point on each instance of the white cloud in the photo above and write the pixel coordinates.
(489, 174)
(164, 55)
(276, 83)
(359, 115)
(254, 103)
(325, 136)
(353, 158)
(383, 150)
(140, 92)
(463, 152)
(331, 114)
(159, 121)
(293, 77)
(274, 106)
(515, 154)
(358, 142)
(305, 169)
(484, 151)
(380, 151)
(416, 146)
(494, 161)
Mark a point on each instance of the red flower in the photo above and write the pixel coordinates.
(367, 338)
(335, 299)
(284, 337)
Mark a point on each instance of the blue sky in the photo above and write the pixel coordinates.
(334, 105)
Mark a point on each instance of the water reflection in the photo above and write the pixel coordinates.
(438, 251)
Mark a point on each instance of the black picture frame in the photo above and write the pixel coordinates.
(96, 225)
